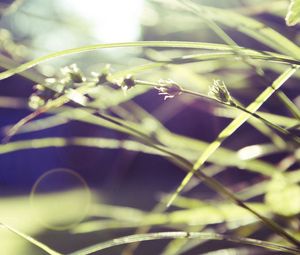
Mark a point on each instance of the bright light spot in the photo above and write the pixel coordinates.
(77, 97)
(60, 199)
(250, 152)
(110, 20)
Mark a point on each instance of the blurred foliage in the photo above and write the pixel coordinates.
(195, 44)
(293, 15)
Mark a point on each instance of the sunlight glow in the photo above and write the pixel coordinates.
(122, 26)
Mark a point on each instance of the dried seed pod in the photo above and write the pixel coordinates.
(73, 73)
(169, 89)
(35, 101)
(220, 92)
(128, 83)
(103, 76)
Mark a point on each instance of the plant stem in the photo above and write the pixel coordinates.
(233, 105)
(159, 44)
(247, 60)
(211, 182)
(182, 234)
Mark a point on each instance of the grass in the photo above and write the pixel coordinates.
(94, 99)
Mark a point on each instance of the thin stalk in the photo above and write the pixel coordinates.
(35, 242)
(65, 98)
(244, 57)
(229, 130)
(233, 126)
(274, 126)
(183, 235)
(211, 182)
(289, 104)
(187, 166)
(233, 105)
(159, 44)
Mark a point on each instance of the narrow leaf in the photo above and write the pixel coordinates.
(180, 235)
(31, 240)
(293, 14)
(232, 127)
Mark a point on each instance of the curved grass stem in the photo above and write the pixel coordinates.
(160, 44)
(183, 235)
(233, 104)
(35, 242)
(211, 182)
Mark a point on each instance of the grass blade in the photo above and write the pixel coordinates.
(250, 27)
(31, 240)
(58, 142)
(169, 44)
(232, 127)
(293, 15)
(182, 235)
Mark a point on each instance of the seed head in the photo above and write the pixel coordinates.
(128, 83)
(40, 96)
(103, 76)
(168, 88)
(35, 101)
(73, 73)
(219, 91)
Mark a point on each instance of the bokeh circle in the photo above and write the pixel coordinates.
(60, 199)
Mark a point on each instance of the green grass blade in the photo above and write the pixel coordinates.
(180, 235)
(289, 104)
(58, 142)
(31, 240)
(250, 27)
(245, 58)
(169, 44)
(180, 144)
(177, 246)
(186, 165)
(233, 126)
(173, 44)
(274, 118)
(293, 15)
(177, 143)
